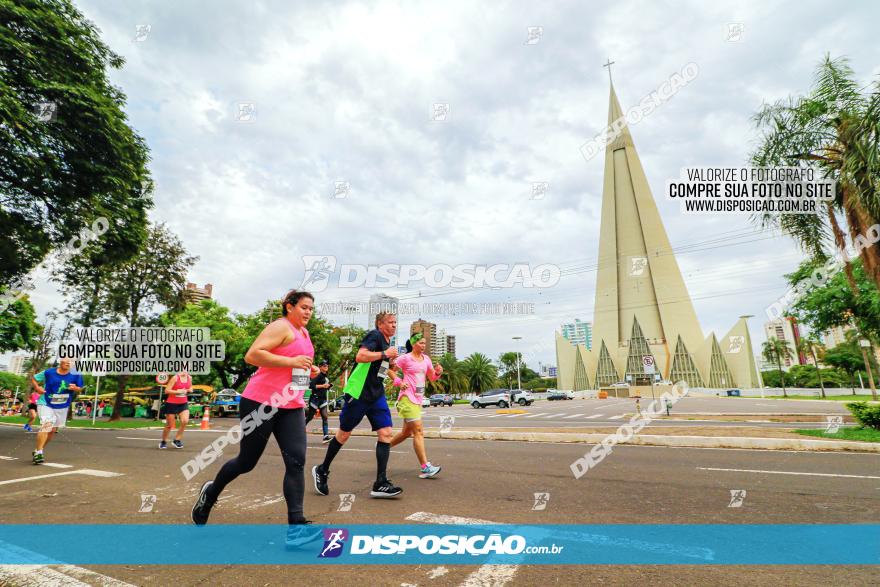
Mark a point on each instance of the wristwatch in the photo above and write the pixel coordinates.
(384, 356)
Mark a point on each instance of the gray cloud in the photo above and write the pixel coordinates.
(344, 91)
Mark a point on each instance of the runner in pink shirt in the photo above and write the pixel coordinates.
(283, 353)
(417, 368)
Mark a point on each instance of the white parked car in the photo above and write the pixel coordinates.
(493, 397)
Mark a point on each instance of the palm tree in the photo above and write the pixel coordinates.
(776, 350)
(810, 346)
(480, 372)
(834, 130)
(454, 379)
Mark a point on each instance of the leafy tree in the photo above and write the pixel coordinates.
(18, 326)
(848, 357)
(810, 346)
(223, 326)
(239, 331)
(155, 276)
(67, 153)
(508, 372)
(480, 371)
(833, 303)
(836, 303)
(776, 350)
(12, 382)
(453, 381)
(507, 366)
(834, 130)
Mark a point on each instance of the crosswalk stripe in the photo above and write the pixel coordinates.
(594, 416)
(572, 416)
(536, 415)
(618, 417)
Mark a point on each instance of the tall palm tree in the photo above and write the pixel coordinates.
(454, 378)
(835, 130)
(480, 372)
(776, 351)
(808, 345)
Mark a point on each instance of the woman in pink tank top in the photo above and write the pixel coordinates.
(272, 405)
(176, 407)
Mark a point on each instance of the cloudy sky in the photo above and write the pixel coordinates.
(344, 92)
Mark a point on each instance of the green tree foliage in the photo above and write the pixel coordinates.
(18, 326)
(11, 381)
(835, 130)
(775, 351)
(239, 331)
(833, 303)
(66, 164)
(480, 372)
(847, 356)
(155, 276)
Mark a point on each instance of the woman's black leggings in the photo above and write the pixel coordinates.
(289, 428)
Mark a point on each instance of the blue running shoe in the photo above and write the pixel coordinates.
(428, 471)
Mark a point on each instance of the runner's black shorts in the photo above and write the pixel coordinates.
(176, 408)
(32, 406)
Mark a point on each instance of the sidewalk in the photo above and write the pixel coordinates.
(659, 438)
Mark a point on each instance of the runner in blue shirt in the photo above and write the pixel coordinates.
(58, 387)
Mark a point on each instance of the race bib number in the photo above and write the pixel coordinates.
(383, 370)
(299, 379)
(420, 391)
(58, 398)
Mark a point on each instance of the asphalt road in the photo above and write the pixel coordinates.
(493, 481)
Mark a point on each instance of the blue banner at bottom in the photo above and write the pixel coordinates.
(356, 544)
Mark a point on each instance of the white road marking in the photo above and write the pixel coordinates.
(790, 473)
(59, 576)
(57, 465)
(430, 518)
(55, 576)
(618, 417)
(572, 416)
(90, 472)
(2, 458)
(262, 502)
(490, 575)
(536, 415)
(594, 416)
(136, 438)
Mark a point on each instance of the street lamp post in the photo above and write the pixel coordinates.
(518, 381)
(757, 370)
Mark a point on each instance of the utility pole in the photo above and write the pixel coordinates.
(866, 344)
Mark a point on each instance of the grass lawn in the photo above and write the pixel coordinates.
(850, 433)
(833, 398)
(139, 423)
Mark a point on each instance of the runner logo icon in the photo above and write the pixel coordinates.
(334, 542)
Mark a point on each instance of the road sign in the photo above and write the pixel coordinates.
(162, 378)
(648, 364)
(865, 342)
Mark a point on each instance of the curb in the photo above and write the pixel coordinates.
(656, 440)
(774, 414)
(644, 440)
(93, 427)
